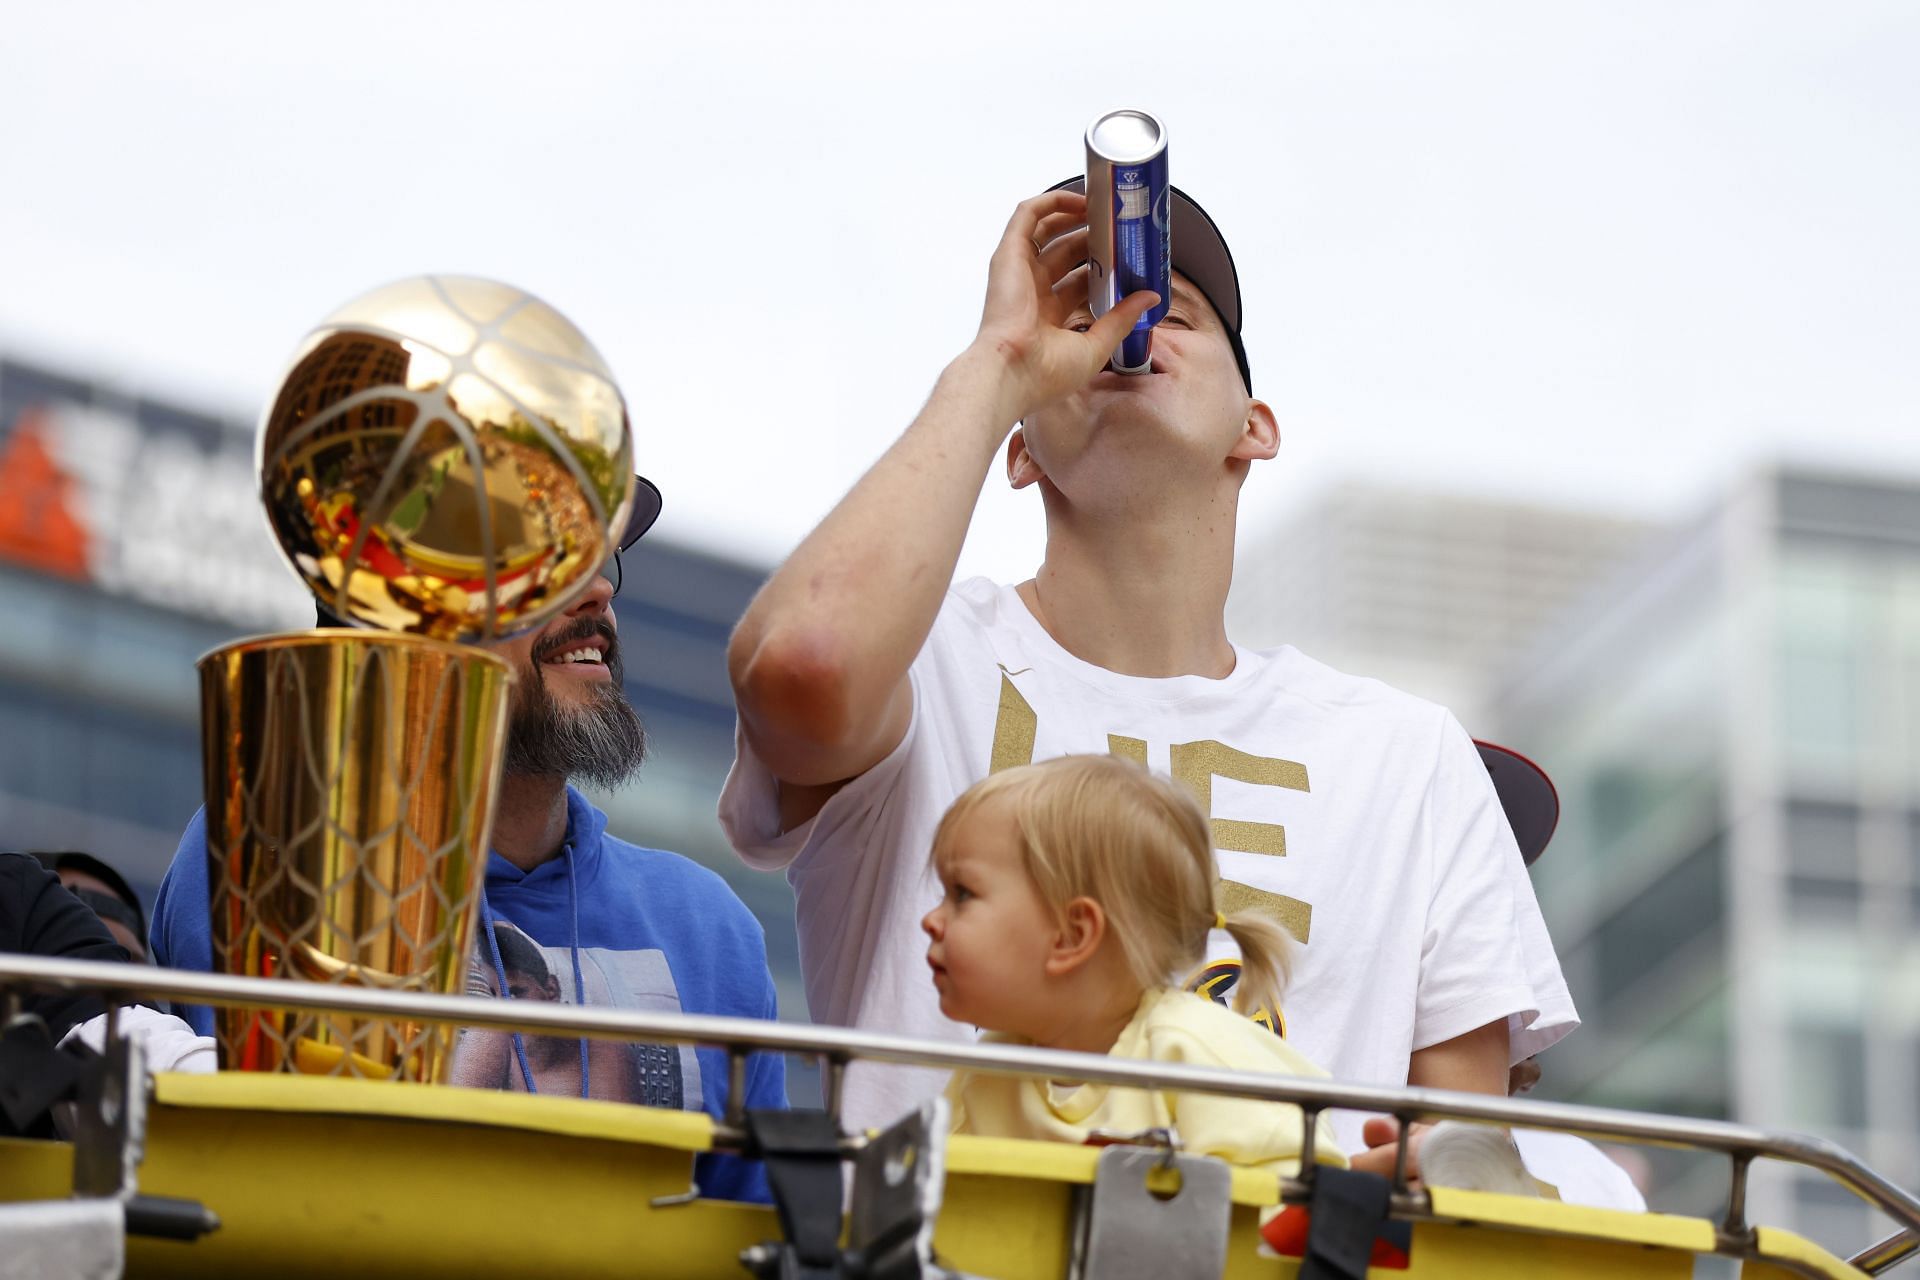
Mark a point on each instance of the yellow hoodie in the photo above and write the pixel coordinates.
(1169, 1026)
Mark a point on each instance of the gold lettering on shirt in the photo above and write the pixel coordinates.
(1013, 729)
(1296, 916)
(1198, 763)
(1195, 764)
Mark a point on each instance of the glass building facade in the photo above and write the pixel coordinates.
(1734, 726)
(1434, 593)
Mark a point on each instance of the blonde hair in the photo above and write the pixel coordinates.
(1104, 828)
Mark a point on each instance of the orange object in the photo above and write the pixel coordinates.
(38, 527)
(1286, 1234)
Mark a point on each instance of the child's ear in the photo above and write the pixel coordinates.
(1083, 927)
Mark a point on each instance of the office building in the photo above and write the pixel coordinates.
(1434, 593)
(1735, 885)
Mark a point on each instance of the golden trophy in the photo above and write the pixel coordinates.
(444, 461)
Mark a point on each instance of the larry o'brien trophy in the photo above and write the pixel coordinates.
(443, 461)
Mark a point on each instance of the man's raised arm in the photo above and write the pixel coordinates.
(819, 662)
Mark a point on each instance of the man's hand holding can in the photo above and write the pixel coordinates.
(1036, 282)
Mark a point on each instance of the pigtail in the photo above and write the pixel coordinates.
(1266, 960)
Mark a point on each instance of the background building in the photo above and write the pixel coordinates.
(1434, 593)
(1731, 711)
(1735, 885)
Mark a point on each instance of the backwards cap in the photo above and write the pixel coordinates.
(1200, 254)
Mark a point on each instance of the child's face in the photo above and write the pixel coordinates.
(991, 934)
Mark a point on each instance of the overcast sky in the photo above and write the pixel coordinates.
(1599, 253)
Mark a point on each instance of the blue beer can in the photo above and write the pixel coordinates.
(1129, 224)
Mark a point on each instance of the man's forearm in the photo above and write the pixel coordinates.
(825, 646)
(1472, 1063)
(819, 662)
(1476, 1062)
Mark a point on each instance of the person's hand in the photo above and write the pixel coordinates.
(1382, 1136)
(1035, 283)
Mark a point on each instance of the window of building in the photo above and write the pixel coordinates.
(1815, 900)
(1833, 1217)
(1823, 840)
(1904, 608)
(98, 760)
(1913, 852)
(1676, 913)
(1825, 613)
(1828, 1076)
(1665, 1060)
(1822, 726)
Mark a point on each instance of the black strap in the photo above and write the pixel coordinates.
(1346, 1214)
(801, 1149)
(108, 907)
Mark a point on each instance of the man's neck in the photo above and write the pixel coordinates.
(530, 820)
(1141, 595)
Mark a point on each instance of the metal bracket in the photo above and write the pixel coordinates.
(1135, 1232)
(899, 1180)
(677, 1199)
(1164, 1140)
(1735, 1236)
(110, 1140)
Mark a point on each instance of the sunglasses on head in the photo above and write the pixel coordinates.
(646, 509)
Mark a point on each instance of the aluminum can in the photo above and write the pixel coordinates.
(1129, 227)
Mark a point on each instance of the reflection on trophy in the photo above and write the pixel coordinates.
(444, 461)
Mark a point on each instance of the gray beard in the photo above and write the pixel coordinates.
(603, 743)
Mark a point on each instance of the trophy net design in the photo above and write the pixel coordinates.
(443, 462)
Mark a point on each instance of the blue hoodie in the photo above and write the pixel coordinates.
(657, 932)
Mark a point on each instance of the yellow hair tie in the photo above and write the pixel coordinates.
(1219, 921)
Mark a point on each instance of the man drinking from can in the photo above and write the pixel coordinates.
(871, 693)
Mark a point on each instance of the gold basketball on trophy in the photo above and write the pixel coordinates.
(446, 457)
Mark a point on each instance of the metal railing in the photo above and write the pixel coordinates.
(1888, 1254)
(835, 1047)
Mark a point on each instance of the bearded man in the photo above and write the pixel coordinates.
(614, 924)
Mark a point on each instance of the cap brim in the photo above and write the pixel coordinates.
(646, 509)
(87, 864)
(1526, 794)
(1199, 252)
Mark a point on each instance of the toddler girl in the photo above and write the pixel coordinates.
(1077, 891)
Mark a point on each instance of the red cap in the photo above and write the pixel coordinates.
(1527, 795)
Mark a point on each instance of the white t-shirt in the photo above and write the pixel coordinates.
(1360, 816)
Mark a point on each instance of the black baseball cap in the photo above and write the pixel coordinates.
(1200, 254)
(1526, 794)
(646, 510)
(122, 905)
